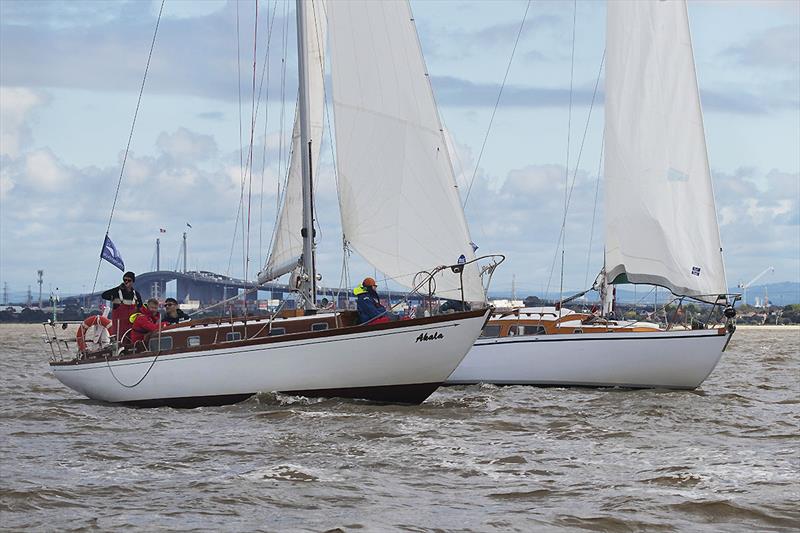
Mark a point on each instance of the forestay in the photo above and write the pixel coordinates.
(661, 225)
(398, 197)
(287, 243)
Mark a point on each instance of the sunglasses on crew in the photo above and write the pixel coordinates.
(127, 280)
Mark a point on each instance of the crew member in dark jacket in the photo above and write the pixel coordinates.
(369, 304)
(125, 301)
(174, 313)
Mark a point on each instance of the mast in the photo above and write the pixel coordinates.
(158, 255)
(184, 252)
(308, 280)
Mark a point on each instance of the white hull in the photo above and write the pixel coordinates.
(667, 359)
(379, 363)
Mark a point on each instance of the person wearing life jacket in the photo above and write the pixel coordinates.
(145, 321)
(125, 301)
(369, 304)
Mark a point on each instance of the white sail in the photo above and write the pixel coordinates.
(398, 197)
(287, 243)
(661, 224)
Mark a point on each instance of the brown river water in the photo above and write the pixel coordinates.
(725, 457)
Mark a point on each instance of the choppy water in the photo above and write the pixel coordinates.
(723, 458)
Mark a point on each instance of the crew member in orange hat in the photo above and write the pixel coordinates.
(368, 303)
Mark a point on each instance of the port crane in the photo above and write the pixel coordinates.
(744, 286)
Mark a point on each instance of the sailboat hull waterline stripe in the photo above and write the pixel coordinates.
(413, 394)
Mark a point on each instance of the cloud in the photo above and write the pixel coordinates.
(178, 184)
(742, 102)
(183, 145)
(757, 212)
(212, 115)
(106, 49)
(16, 106)
(503, 34)
(464, 93)
(76, 13)
(777, 47)
(520, 215)
(462, 43)
(457, 92)
(45, 172)
(7, 183)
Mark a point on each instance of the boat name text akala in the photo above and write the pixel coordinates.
(435, 336)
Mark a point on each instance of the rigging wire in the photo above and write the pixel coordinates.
(249, 170)
(316, 174)
(266, 70)
(497, 102)
(130, 139)
(282, 135)
(253, 113)
(577, 165)
(566, 168)
(594, 212)
(281, 180)
(241, 141)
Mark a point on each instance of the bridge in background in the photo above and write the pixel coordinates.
(209, 288)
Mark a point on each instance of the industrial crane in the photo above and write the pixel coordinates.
(744, 286)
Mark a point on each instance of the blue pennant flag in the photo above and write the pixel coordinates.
(111, 254)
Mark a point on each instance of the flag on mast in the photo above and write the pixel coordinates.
(111, 254)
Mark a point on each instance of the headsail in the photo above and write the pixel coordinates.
(287, 244)
(661, 224)
(398, 197)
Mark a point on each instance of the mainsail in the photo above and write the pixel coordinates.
(398, 196)
(287, 243)
(661, 225)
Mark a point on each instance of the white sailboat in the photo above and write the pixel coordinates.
(661, 228)
(391, 149)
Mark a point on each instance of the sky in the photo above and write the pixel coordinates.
(70, 75)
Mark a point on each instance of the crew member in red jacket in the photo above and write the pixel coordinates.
(147, 321)
(125, 301)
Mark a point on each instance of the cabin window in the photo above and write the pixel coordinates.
(193, 341)
(159, 345)
(319, 326)
(277, 331)
(490, 331)
(532, 330)
(578, 330)
(233, 336)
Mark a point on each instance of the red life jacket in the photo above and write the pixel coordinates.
(142, 323)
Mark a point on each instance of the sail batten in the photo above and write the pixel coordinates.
(661, 225)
